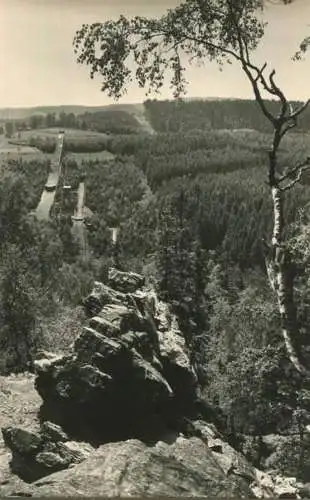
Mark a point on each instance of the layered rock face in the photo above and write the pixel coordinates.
(201, 465)
(129, 373)
(129, 390)
(130, 468)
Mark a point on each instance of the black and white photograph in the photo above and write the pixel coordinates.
(155, 248)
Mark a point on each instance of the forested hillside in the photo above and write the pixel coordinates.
(182, 115)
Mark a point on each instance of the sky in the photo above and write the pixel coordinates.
(38, 65)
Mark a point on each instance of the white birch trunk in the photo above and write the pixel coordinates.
(277, 217)
(278, 274)
(288, 322)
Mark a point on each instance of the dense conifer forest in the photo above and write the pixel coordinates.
(192, 208)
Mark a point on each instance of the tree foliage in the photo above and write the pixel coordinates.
(150, 50)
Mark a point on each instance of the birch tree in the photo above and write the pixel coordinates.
(150, 51)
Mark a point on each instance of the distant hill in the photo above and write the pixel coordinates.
(188, 115)
(22, 113)
(160, 116)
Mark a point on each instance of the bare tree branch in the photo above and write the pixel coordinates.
(295, 174)
(300, 110)
(287, 127)
(277, 91)
(254, 81)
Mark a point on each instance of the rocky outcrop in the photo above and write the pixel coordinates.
(129, 367)
(38, 454)
(128, 389)
(130, 468)
(189, 466)
(100, 296)
(126, 282)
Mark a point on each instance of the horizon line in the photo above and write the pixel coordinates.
(194, 98)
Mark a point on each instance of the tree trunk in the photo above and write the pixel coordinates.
(281, 277)
(301, 459)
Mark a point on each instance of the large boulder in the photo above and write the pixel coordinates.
(130, 468)
(115, 319)
(174, 355)
(204, 466)
(38, 454)
(100, 296)
(234, 464)
(106, 387)
(231, 461)
(126, 282)
(22, 441)
(129, 366)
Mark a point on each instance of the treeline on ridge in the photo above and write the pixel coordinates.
(114, 121)
(182, 116)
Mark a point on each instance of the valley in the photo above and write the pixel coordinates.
(183, 202)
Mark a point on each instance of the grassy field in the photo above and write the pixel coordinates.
(6, 147)
(76, 141)
(53, 132)
(10, 151)
(13, 152)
